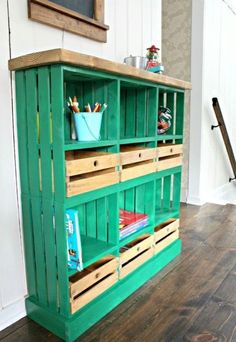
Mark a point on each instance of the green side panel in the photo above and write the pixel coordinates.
(152, 111)
(34, 182)
(47, 194)
(113, 218)
(57, 100)
(101, 215)
(179, 113)
(176, 191)
(166, 192)
(91, 219)
(158, 199)
(130, 113)
(98, 308)
(24, 177)
(141, 113)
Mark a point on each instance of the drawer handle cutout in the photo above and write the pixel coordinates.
(171, 150)
(95, 163)
(140, 155)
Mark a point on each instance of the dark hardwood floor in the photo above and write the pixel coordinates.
(193, 299)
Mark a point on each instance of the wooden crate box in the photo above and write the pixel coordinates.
(165, 234)
(92, 281)
(135, 253)
(136, 161)
(90, 170)
(169, 155)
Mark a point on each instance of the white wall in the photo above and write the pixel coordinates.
(134, 25)
(213, 75)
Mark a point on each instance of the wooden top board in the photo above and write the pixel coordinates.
(78, 59)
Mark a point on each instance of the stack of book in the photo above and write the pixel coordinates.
(131, 222)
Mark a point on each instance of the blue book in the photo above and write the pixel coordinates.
(74, 249)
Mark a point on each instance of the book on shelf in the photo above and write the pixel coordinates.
(74, 248)
(130, 222)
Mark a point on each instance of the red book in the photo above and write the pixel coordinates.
(129, 218)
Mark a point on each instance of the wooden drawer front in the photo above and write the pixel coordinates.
(130, 155)
(79, 162)
(137, 170)
(167, 163)
(165, 229)
(92, 281)
(165, 150)
(136, 262)
(160, 245)
(135, 253)
(91, 181)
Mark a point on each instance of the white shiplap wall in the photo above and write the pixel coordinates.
(134, 25)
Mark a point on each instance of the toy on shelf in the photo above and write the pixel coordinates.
(153, 63)
(164, 120)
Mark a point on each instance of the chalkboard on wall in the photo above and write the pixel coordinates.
(85, 7)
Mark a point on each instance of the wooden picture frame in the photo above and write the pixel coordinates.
(47, 12)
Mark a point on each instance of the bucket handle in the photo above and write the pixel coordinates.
(90, 129)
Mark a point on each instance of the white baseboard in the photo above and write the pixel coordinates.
(12, 313)
(195, 200)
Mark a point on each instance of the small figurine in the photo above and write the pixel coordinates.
(164, 120)
(153, 63)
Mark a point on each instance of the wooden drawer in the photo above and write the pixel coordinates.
(136, 162)
(164, 150)
(90, 170)
(92, 281)
(169, 155)
(135, 154)
(79, 162)
(135, 253)
(166, 241)
(165, 229)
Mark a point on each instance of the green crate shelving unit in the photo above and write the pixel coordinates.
(43, 83)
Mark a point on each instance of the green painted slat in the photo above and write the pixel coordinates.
(166, 192)
(149, 201)
(75, 145)
(71, 89)
(57, 100)
(100, 96)
(91, 219)
(165, 214)
(170, 105)
(112, 111)
(176, 191)
(130, 199)
(122, 112)
(137, 140)
(179, 113)
(130, 113)
(24, 177)
(169, 137)
(140, 129)
(113, 218)
(121, 200)
(152, 111)
(82, 218)
(101, 213)
(139, 199)
(88, 95)
(34, 182)
(158, 200)
(47, 194)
